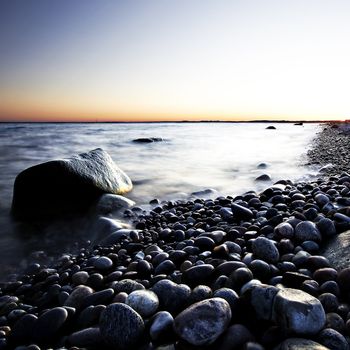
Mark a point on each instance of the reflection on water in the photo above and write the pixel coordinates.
(193, 157)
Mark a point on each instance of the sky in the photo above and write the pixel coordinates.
(153, 60)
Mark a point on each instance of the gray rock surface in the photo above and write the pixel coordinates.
(66, 186)
(203, 322)
(76, 298)
(337, 251)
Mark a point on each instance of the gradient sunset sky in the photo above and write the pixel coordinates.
(131, 60)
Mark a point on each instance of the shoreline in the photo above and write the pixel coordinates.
(200, 251)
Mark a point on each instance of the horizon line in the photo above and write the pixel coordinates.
(172, 121)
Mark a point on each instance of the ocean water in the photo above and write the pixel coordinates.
(193, 157)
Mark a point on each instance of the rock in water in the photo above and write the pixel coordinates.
(203, 322)
(112, 203)
(263, 177)
(298, 312)
(148, 139)
(121, 326)
(66, 186)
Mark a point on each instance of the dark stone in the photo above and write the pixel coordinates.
(261, 297)
(162, 326)
(325, 274)
(99, 298)
(229, 295)
(66, 186)
(148, 140)
(103, 263)
(199, 274)
(263, 177)
(307, 231)
(298, 312)
(121, 326)
(204, 243)
(329, 302)
(86, 338)
(294, 279)
(333, 340)
(165, 267)
(49, 323)
(241, 213)
(89, 316)
(76, 298)
(265, 249)
(344, 281)
(270, 127)
(127, 286)
(200, 293)
(326, 227)
(203, 322)
(23, 328)
(172, 297)
(235, 337)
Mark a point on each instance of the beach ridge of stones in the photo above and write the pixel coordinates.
(226, 273)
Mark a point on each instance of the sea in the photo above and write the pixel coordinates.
(208, 159)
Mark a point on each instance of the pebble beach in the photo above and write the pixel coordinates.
(260, 270)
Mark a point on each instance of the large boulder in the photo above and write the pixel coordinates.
(66, 186)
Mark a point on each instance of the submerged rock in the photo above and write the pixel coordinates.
(263, 177)
(66, 186)
(148, 139)
(112, 203)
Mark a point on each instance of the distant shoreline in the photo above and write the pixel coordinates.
(181, 122)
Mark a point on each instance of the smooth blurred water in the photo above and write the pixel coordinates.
(193, 157)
